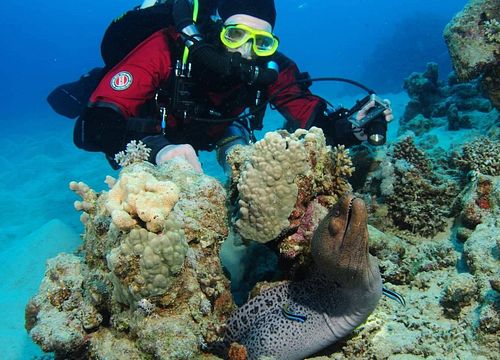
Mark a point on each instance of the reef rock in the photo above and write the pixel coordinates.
(148, 280)
(481, 212)
(473, 39)
(435, 103)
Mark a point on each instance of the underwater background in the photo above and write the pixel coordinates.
(379, 43)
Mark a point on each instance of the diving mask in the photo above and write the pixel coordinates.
(235, 35)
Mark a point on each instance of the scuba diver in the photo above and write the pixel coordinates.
(190, 75)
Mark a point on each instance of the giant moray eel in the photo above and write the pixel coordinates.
(297, 319)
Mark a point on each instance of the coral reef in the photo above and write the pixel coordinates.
(149, 280)
(472, 39)
(479, 250)
(416, 198)
(424, 91)
(458, 293)
(401, 261)
(108, 302)
(481, 155)
(434, 103)
(447, 264)
(477, 200)
(451, 314)
(492, 30)
(283, 185)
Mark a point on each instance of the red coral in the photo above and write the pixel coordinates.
(483, 203)
(484, 188)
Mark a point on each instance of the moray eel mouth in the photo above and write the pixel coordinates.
(356, 217)
(352, 252)
(340, 244)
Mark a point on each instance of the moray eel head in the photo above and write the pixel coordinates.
(340, 244)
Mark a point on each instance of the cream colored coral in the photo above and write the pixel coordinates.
(86, 193)
(267, 188)
(89, 197)
(139, 195)
(276, 178)
(152, 260)
(135, 152)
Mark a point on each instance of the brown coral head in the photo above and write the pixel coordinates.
(31, 315)
(340, 244)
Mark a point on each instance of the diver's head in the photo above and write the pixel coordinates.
(248, 26)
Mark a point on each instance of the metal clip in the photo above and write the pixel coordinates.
(258, 98)
(163, 113)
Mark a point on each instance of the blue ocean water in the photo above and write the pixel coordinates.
(48, 43)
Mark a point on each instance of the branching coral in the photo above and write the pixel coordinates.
(135, 152)
(419, 205)
(481, 155)
(492, 30)
(406, 150)
(419, 202)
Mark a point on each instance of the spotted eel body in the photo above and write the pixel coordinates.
(341, 293)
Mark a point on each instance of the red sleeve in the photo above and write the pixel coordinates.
(135, 79)
(295, 103)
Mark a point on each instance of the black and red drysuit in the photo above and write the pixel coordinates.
(118, 108)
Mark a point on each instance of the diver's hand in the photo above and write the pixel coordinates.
(359, 132)
(183, 150)
(389, 116)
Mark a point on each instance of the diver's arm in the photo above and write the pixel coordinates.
(106, 130)
(110, 120)
(302, 109)
(234, 134)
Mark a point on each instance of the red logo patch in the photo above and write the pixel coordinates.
(121, 81)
